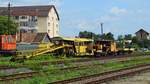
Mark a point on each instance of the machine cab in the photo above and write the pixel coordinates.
(7, 42)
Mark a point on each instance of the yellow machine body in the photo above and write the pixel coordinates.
(105, 47)
(80, 46)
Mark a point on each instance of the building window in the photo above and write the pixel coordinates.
(49, 24)
(33, 18)
(16, 17)
(23, 31)
(25, 24)
(9, 39)
(4, 40)
(52, 18)
(48, 31)
(23, 17)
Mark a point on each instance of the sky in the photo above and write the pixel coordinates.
(119, 16)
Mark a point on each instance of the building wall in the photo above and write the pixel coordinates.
(141, 35)
(49, 24)
(53, 24)
(42, 24)
(28, 23)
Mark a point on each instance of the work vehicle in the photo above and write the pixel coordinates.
(7, 44)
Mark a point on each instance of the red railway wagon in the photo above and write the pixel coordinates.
(7, 43)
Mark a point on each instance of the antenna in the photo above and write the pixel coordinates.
(8, 17)
(102, 28)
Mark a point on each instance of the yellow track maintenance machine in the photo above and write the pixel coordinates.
(105, 47)
(80, 46)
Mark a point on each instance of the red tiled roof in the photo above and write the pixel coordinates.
(42, 11)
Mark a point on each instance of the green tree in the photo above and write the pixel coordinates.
(135, 42)
(91, 35)
(85, 34)
(134, 39)
(144, 43)
(128, 37)
(120, 38)
(108, 36)
(4, 26)
(120, 43)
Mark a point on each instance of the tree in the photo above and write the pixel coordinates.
(120, 38)
(91, 35)
(120, 42)
(86, 34)
(135, 42)
(134, 39)
(108, 36)
(4, 26)
(128, 37)
(145, 43)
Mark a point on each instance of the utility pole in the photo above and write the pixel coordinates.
(9, 18)
(102, 28)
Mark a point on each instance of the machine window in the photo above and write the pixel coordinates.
(9, 39)
(0, 39)
(4, 40)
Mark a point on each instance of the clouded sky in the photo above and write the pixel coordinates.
(118, 16)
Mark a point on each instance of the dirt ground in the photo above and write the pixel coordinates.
(142, 78)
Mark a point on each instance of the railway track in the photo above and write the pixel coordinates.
(31, 74)
(17, 76)
(6, 67)
(88, 60)
(106, 76)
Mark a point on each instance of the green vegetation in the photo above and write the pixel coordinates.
(54, 75)
(144, 43)
(86, 34)
(4, 26)
(121, 38)
(35, 62)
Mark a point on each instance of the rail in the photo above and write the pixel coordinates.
(106, 76)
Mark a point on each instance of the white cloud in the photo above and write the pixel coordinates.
(118, 11)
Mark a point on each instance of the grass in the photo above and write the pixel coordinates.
(35, 63)
(52, 75)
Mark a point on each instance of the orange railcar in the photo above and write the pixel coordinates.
(7, 42)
